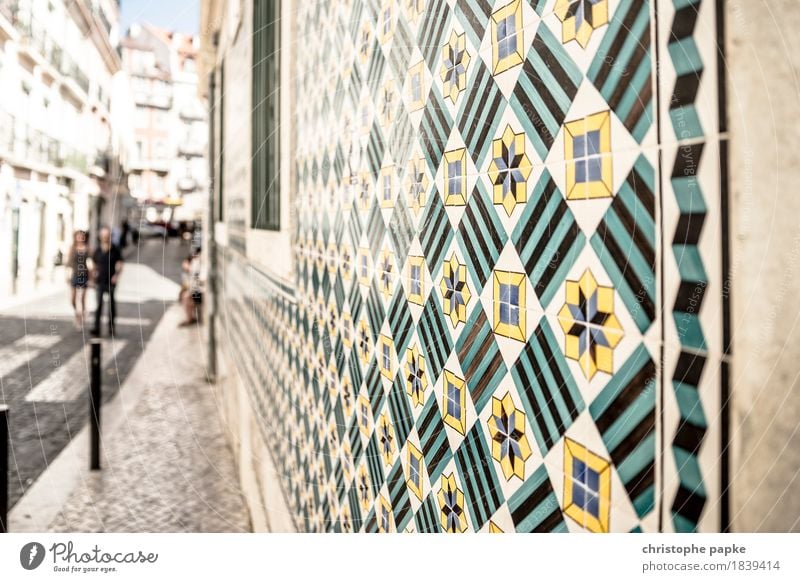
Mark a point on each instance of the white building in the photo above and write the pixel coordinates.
(62, 142)
(169, 174)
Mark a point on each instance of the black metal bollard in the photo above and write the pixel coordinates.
(3, 468)
(95, 404)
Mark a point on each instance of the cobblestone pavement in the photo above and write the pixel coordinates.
(168, 468)
(44, 375)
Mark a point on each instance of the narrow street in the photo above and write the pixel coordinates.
(44, 375)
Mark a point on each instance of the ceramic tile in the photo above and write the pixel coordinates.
(481, 297)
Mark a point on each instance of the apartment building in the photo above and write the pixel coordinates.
(63, 132)
(169, 173)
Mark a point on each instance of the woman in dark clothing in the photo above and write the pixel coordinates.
(78, 263)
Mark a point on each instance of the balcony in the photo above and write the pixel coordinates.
(29, 145)
(187, 184)
(190, 149)
(37, 40)
(71, 69)
(192, 114)
(159, 101)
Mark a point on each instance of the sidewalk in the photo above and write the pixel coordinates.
(166, 462)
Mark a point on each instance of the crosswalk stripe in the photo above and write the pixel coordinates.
(38, 341)
(138, 321)
(68, 381)
(25, 348)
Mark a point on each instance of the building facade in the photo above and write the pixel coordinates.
(171, 134)
(62, 142)
(474, 264)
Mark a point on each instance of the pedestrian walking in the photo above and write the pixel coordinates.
(126, 229)
(107, 269)
(78, 265)
(191, 295)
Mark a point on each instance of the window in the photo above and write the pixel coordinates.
(266, 121)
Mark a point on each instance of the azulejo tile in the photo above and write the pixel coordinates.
(535, 507)
(454, 63)
(695, 384)
(625, 415)
(475, 335)
(481, 106)
(547, 238)
(549, 393)
(591, 328)
(510, 446)
(580, 18)
(509, 170)
(587, 487)
(452, 514)
(481, 236)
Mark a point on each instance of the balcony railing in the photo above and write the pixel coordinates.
(34, 34)
(190, 149)
(31, 145)
(160, 101)
(71, 69)
(192, 114)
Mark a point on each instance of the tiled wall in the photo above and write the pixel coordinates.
(508, 311)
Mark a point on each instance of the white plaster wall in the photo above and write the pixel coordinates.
(763, 52)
